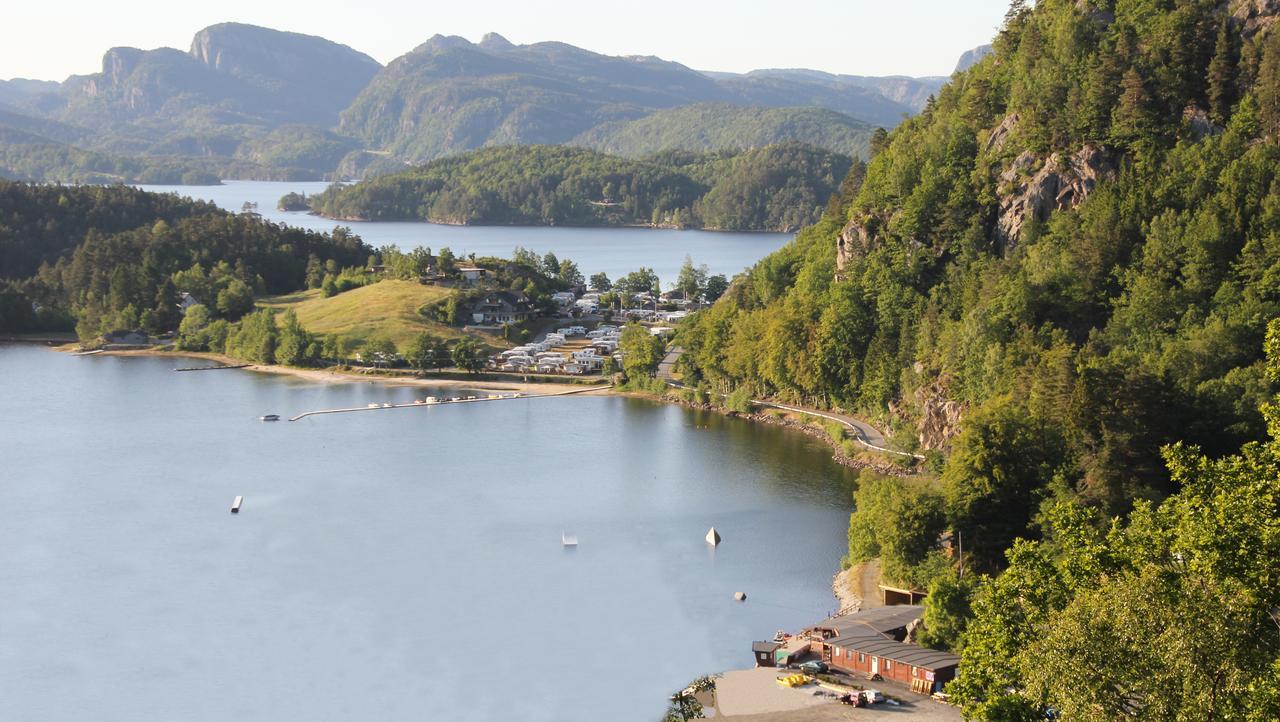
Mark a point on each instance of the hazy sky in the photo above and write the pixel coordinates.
(51, 39)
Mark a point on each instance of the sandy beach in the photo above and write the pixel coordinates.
(331, 376)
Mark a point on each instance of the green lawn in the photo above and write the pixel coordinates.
(386, 308)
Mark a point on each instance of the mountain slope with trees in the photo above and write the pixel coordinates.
(1062, 265)
(723, 126)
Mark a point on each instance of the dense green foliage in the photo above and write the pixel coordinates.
(722, 126)
(1170, 616)
(775, 188)
(118, 258)
(1126, 315)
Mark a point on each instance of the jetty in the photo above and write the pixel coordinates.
(214, 368)
(448, 402)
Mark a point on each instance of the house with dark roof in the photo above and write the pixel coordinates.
(874, 641)
(499, 307)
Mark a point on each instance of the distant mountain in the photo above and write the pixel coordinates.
(449, 95)
(18, 90)
(246, 97)
(720, 126)
(972, 57)
(233, 74)
(311, 79)
(908, 94)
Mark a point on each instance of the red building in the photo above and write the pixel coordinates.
(873, 642)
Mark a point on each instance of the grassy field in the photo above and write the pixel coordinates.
(388, 309)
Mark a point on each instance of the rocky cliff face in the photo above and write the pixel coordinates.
(939, 417)
(855, 239)
(1255, 16)
(313, 77)
(1032, 188)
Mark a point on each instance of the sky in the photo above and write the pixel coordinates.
(51, 39)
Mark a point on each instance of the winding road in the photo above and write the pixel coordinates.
(863, 433)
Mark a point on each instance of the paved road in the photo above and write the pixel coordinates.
(864, 433)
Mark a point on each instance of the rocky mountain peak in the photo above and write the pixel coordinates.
(494, 41)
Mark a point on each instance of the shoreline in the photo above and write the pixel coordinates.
(331, 376)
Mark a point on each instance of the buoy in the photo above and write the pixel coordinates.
(235, 504)
(713, 537)
(739, 596)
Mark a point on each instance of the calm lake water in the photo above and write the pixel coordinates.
(388, 565)
(615, 251)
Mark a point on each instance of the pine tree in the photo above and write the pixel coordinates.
(1267, 87)
(1130, 122)
(1221, 78)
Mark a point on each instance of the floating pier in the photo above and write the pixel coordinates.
(467, 400)
(235, 504)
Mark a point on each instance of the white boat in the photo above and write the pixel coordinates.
(432, 400)
(568, 540)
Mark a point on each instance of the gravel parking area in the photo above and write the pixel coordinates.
(753, 695)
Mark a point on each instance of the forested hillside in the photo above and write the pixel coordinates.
(112, 257)
(1065, 263)
(779, 187)
(722, 126)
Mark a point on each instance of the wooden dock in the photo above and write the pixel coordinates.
(214, 368)
(412, 405)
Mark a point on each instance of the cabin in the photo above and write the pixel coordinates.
(875, 641)
(185, 302)
(471, 275)
(500, 307)
(126, 338)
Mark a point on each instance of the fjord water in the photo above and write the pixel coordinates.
(396, 564)
(615, 251)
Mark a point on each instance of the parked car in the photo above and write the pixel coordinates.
(813, 667)
(872, 696)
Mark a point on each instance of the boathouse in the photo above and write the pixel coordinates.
(764, 652)
(875, 641)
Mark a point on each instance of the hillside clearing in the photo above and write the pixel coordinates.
(387, 308)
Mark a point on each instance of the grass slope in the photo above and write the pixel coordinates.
(387, 308)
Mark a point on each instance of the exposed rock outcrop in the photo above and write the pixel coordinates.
(999, 134)
(854, 241)
(939, 417)
(1199, 124)
(1254, 16)
(1031, 190)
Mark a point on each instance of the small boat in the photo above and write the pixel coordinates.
(432, 400)
(269, 417)
(373, 406)
(386, 405)
(568, 540)
(235, 504)
(419, 401)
